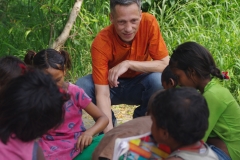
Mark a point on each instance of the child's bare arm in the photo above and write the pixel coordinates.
(40, 155)
(101, 122)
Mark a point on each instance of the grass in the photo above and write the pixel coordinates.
(123, 114)
(214, 25)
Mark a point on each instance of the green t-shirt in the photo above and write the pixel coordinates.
(224, 119)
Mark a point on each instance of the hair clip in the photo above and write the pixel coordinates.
(225, 75)
(23, 68)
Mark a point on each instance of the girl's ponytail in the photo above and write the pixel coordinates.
(67, 61)
(214, 71)
(28, 59)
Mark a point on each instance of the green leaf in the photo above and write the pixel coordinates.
(55, 8)
(27, 33)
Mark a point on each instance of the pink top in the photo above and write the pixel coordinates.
(60, 143)
(16, 149)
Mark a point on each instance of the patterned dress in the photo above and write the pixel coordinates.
(60, 143)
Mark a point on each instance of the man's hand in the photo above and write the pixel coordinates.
(138, 66)
(117, 71)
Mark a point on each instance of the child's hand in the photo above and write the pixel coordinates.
(84, 140)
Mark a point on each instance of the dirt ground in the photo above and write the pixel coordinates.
(123, 114)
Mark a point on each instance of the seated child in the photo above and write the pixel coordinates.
(180, 123)
(70, 138)
(30, 105)
(194, 66)
(133, 127)
(168, 79)
(10, 67)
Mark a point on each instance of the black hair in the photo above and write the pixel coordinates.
(151, 101)
(167, 75)
(10, 67)
(191, 55)
(183, 112)
(30, 105)
(46, 58)
(113, 3)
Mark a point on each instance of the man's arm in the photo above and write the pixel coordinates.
(104, 103)
(145, 67)
(149, 66)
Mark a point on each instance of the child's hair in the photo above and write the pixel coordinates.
(167, 75)
(191, 55)
(46, 58)
(30, 105)
(10, 67)
(183, 112)
(151, 100)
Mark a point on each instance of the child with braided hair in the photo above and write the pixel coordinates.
(195, 67)
(30, 105)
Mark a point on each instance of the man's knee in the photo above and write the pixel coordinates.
(154, 79)
(85, 82)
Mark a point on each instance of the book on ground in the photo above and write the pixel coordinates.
(140, 147)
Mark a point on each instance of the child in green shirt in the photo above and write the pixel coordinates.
(195, 67)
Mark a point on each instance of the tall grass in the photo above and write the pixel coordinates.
(28, 24)
(93, 17)
(214, 25)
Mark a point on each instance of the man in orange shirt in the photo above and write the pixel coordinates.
(127, 60)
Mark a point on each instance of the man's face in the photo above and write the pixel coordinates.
(126, 20)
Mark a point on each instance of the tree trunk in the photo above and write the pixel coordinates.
(60, 41)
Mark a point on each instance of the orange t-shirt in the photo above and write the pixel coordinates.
(108, 49)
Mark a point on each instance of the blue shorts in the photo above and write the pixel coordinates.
(221, 155)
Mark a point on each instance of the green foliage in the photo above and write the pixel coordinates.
(29, 24)
(214, 24)
(93, 17)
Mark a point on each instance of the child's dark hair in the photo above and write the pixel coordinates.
(46, 58)
(10, 67)
(183, 112)
(191, 55)
(30, 105)
(167, 75)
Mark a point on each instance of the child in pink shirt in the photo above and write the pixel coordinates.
(30, 105)
(68, 140)
(10, 67)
